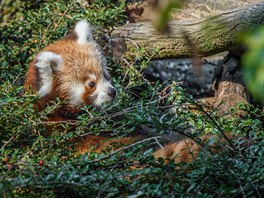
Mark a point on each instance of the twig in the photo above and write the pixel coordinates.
(252, 183)
(124, 148)
(56, 25)
(197, 141)
(8, 142)
(85, 134)
(17, 77)
(39, 136)
(33, 146)
(214, 122)
(159, 143)
(59, 121)
(130, 109)
(62, 16)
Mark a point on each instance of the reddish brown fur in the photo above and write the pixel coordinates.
(31, 77)
(78, 62)
(180, 151)
(98, 143)
(88, 92)
(185, 150)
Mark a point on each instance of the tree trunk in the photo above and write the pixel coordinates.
(228, 84)
(201, 37)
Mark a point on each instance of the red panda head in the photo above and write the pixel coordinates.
(72, 69)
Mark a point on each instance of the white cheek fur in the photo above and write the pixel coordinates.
(76, 90)
(101, 93)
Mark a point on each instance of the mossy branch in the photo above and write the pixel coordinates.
(211, 35)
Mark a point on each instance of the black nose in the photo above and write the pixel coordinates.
(112, 92)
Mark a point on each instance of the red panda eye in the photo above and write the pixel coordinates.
(91, 84)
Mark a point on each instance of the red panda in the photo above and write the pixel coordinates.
(74, 70)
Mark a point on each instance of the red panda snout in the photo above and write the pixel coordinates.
(104, 92)
(112, 93)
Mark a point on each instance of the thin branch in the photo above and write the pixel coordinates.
(72, 122)
(124, 148)
(196, 140)
(214, 122)
(8, 142)
(159, 144)
(63, 14)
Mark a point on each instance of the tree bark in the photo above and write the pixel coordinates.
(201, 37)
(228, 84)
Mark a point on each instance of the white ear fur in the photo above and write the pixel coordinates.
(46, 63)
(84, 32)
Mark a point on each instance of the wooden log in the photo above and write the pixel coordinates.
(203, 37)
(143, 10)
(228, 84)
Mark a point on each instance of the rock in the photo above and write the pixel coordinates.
(196, 81)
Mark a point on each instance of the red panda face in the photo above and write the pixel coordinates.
(72, 69)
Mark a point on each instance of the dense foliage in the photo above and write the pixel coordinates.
(253, 63)
(36, 162)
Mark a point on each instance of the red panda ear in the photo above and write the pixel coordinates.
(83, 31)
(46, 63)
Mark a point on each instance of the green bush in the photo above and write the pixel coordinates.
(253, 63)
(35, 162)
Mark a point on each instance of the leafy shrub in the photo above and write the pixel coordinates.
(36, 162)
(253, 63)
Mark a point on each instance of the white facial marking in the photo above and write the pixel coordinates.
(92, 77)
(83, 31)
(77, 90)
(101, 92)
(46, 62)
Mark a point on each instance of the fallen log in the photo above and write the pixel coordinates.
(202, 37)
